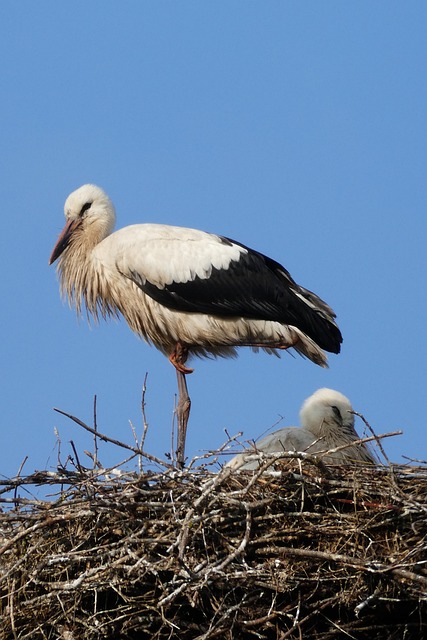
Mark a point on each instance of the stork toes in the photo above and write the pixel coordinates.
(179, 357)
(179, 366)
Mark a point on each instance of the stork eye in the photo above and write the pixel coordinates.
(84, 208)
(336, 411)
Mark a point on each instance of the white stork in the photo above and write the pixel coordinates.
(327, 422)
(185, 291)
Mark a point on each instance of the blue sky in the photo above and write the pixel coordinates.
(295, 128)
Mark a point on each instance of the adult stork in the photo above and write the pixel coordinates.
(327, 422)
(185, 291)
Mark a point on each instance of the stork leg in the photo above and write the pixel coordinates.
(178, 359)
(182, 414)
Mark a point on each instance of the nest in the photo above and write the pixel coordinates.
(303, 551)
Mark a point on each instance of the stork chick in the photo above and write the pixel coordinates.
(327, 422)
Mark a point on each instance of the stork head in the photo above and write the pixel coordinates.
(327, 410)
(90, 217)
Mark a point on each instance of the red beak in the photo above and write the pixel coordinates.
(63, 239)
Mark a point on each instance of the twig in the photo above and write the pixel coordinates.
(21, 466)
(95, 436)
(118, 443)
(144, 417)
(48, 522)
(377, 438)
(76, 455)
(363, 441)
(266, 460)
(370, 567)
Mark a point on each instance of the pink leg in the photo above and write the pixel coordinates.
(182, 414)
(178, 359)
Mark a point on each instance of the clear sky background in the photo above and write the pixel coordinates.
(297, 128)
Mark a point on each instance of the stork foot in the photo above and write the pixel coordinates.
(179, 357)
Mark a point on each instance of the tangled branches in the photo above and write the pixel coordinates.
(203, 554)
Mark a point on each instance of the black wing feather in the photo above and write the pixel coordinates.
(254, 287)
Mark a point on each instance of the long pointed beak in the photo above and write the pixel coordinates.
(63, 239)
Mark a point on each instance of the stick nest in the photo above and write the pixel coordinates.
(304, 551)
